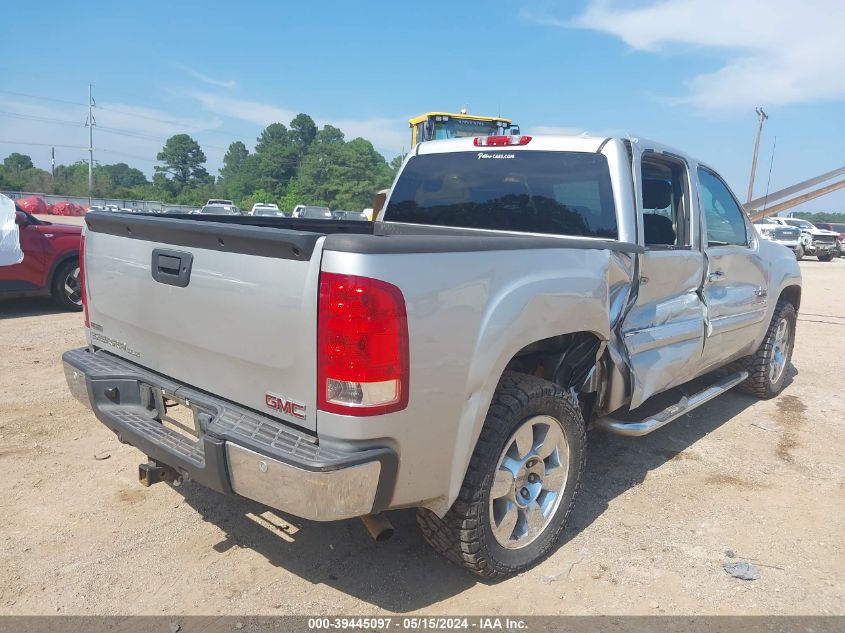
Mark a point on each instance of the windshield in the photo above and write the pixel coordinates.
(459, 128)
(559, 193)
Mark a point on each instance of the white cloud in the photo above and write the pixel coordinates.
(262, 114)
(229, 84)
(776, 52)
(386, 134)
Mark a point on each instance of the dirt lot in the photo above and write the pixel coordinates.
(79, 535)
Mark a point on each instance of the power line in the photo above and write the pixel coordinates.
(31, 96)
(771, 164)
(41, 144)
(112, 130)
(133, 134)
(182, 124)
(43, 119)
(135, 156)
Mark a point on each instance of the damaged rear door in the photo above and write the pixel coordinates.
(664, 329)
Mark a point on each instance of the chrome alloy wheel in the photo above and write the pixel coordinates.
(529, 481)
(780, 351)
(72, 287)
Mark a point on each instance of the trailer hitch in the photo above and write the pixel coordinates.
(153, 472)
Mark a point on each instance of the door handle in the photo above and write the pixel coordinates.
(716, 275)
(172, 267)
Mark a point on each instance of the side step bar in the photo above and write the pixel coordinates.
(685, 405)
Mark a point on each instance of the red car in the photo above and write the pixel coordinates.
(50, 263)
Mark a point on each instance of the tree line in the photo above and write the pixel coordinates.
(289, 165)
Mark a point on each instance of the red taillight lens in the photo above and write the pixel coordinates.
(362, 339)
(83, 293)
(500, 141)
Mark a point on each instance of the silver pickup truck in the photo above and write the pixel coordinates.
(513, 292)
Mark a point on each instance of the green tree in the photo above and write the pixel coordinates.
(395, 164)
(341, 175)
(821, 216)
(72, 180)
(16, 162)
(317, 179)
(237, 175)
(184, 163)
(234, 160)
(259, 195)
(123, 176)
(35, 180)
(303, 130)
(291, 197)
(276, 159)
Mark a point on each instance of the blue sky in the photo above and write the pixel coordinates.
(686, 72)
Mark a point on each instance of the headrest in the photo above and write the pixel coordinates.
(657, 194)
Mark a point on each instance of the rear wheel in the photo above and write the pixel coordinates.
(767, 366)
(826, 258)
(521, 482)
(67, 286)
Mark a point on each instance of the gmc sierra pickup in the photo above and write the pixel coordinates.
(513, 292)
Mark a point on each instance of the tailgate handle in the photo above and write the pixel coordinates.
(172, 267)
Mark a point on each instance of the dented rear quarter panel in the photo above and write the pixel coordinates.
(467, 317)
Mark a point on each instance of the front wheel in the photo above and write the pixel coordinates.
(521, 482)
(767, 366)
(799, 252)
(825, 258)
(67, 286)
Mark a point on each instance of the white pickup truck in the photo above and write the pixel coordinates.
(513, 292)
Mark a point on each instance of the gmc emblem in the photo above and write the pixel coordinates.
(285, 405)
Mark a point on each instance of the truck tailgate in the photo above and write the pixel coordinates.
(227, 309)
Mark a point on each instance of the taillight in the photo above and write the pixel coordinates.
(362, 339)
(500, 141)
(82, 292)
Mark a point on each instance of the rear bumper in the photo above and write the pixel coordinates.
(238, 450)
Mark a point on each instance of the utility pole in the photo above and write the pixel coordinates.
(90, 123)
(761, 116)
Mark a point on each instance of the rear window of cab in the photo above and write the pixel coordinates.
(555, 193)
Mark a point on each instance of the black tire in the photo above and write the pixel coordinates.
(759, 382)
(826, 258)
(465, 535)
(799, 252)
(64, 276)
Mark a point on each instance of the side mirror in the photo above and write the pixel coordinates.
(20, 219)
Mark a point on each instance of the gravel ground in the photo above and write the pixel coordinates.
(649, 535)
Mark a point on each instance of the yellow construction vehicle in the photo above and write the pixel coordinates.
(433, 126)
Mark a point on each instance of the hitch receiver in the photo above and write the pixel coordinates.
(153, 472)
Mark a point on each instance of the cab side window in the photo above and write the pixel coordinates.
(664, 201)
(725, 218)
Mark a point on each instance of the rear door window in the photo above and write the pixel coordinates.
(557, 193)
